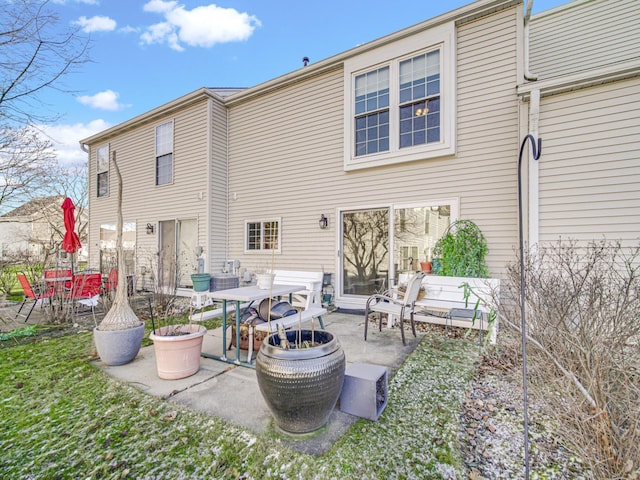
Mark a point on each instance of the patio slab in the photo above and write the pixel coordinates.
(231, 392)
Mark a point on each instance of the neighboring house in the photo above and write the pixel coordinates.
(34, 229)
(390, 142)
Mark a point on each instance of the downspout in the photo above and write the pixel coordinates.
(527, 18)
(533, 218)
(226, 181)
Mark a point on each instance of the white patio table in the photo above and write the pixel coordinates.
(243, 295)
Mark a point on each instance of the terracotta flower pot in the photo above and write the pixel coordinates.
(178, 356)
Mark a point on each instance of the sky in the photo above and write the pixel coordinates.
(147, 53)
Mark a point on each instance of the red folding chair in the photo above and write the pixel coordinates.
(59, 280)
(34, 293)
(85, 291)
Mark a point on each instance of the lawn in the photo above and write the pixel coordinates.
(61, 417)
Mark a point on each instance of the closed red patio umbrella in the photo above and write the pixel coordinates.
(70, 242)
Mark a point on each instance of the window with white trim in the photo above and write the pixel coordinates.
(164, 153)
(102, 171)
(262, 236)
(400, 101)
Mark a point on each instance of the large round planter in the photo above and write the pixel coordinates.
(301, 386)
(118, 347)
(178, 356)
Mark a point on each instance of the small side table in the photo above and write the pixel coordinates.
(365, 390)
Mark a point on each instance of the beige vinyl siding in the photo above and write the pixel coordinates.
(143, 201)
(218, 198)
(598, 33)
(286, 157)
(590, 168)
(488, 132)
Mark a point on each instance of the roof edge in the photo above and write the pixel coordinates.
(460, 15)
(150, 115)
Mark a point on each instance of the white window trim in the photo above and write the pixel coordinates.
(442, 37)
(107, 170)
(262, 250)
(160, 154)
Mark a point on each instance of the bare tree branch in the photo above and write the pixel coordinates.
(26, 160)
(35, 53)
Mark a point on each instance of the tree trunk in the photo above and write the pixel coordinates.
(120, 316)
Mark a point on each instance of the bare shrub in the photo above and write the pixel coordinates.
(583, 322)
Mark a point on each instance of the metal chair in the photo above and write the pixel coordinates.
(33, 292)
(392, 305)
(109, 285)
(58, 279)
(85, 291)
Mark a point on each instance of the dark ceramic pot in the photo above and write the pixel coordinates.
(301, 386)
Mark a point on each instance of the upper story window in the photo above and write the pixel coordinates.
(262, 236)
(102, 171)
(372, 111)
(164, 153)
(419, 99)
(400, 101)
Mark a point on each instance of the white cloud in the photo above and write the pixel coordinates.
(97, 23)
(107, 100)
(200, 27)
(66, 140)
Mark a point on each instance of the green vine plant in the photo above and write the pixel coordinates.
(461, 251)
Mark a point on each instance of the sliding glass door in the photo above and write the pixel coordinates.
(365, 251)
(379, 244)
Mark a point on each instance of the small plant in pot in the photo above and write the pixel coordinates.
(177, 341)
(118, 337)
(178, 348)
(300, 375)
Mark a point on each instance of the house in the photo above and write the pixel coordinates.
(34, 229)
(356, 164)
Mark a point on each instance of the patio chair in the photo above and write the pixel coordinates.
(59, 279)
(33, 292)
(109, 285)
(395, 305)
(85, 291)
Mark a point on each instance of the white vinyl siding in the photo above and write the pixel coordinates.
(143, 202)
(589, 170)
(218, 195)
(291, 166)
(569, 39)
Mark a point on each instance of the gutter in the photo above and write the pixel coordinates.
(460, 16)
(527, 19)
(583, 79)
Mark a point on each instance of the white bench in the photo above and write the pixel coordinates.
(444, 303)
(307, 302)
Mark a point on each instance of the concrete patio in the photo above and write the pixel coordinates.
(231, 392)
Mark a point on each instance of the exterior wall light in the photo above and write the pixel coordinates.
(150, 229)
(323, 222)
